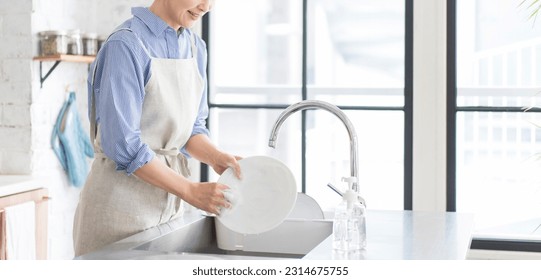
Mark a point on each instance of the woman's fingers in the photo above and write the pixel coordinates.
(224, 160)
(236, 167)
(210, 197)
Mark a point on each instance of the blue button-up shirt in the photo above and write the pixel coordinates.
(122, 73)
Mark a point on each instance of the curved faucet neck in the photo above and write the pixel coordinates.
(317, 104)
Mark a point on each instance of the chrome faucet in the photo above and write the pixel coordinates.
(316, 104)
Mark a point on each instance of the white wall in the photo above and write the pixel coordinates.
(429, 99)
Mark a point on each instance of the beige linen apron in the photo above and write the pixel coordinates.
(114, 205)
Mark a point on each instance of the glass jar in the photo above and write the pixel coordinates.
(101, 41)
(90, 43)
(75, 42)
(53, 42)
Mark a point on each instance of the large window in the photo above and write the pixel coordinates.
(498, 167)
(273, 53)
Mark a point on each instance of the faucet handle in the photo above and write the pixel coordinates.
(349, 179)
(359, 197)
(335, 189)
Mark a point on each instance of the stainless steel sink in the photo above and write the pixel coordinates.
(294, 238)
(202, 237)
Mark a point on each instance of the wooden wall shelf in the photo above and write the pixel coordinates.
(67, 57)
(57, 59)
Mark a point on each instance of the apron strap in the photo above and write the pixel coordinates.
(93, 124)
(93, 129)
(175, 160)
(194, 48)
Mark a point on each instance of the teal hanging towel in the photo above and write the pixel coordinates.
(70, 142)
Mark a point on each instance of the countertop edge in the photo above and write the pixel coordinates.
(14, 184)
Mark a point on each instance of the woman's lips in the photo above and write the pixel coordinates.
(193, 14)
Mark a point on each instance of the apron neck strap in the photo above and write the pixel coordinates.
(93, 124)
(194, 48)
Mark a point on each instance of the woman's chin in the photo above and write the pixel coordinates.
(188, 23)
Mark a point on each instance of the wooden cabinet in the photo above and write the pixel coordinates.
(40, 198)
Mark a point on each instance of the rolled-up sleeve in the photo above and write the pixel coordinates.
(200, 125)
(119, 106)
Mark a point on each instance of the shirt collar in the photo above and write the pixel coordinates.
(152, 21)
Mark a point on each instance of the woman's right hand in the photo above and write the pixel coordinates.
(207, 196)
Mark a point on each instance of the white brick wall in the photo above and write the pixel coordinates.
(9, 7)
(18, 47)
(17, 24)
(16, 162)
(15, 87)
(15, 92)
(16, 115)
(15, 69)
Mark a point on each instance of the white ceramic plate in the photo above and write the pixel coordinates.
(262, 199)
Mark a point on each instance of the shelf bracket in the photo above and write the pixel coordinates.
(43, 78)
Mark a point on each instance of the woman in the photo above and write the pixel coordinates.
(147, 107)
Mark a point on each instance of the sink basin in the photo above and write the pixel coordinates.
(198, 237)
(294, 238)
(206, 237)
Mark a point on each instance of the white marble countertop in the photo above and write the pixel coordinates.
(12, 184)
(409, 235)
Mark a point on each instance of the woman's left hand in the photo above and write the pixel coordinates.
(223, 160)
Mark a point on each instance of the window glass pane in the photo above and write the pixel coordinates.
(380, 155)
(256, 53)
(498, 175)
(496, 40)
(356, 52)
(246, 133)
(498, 50)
